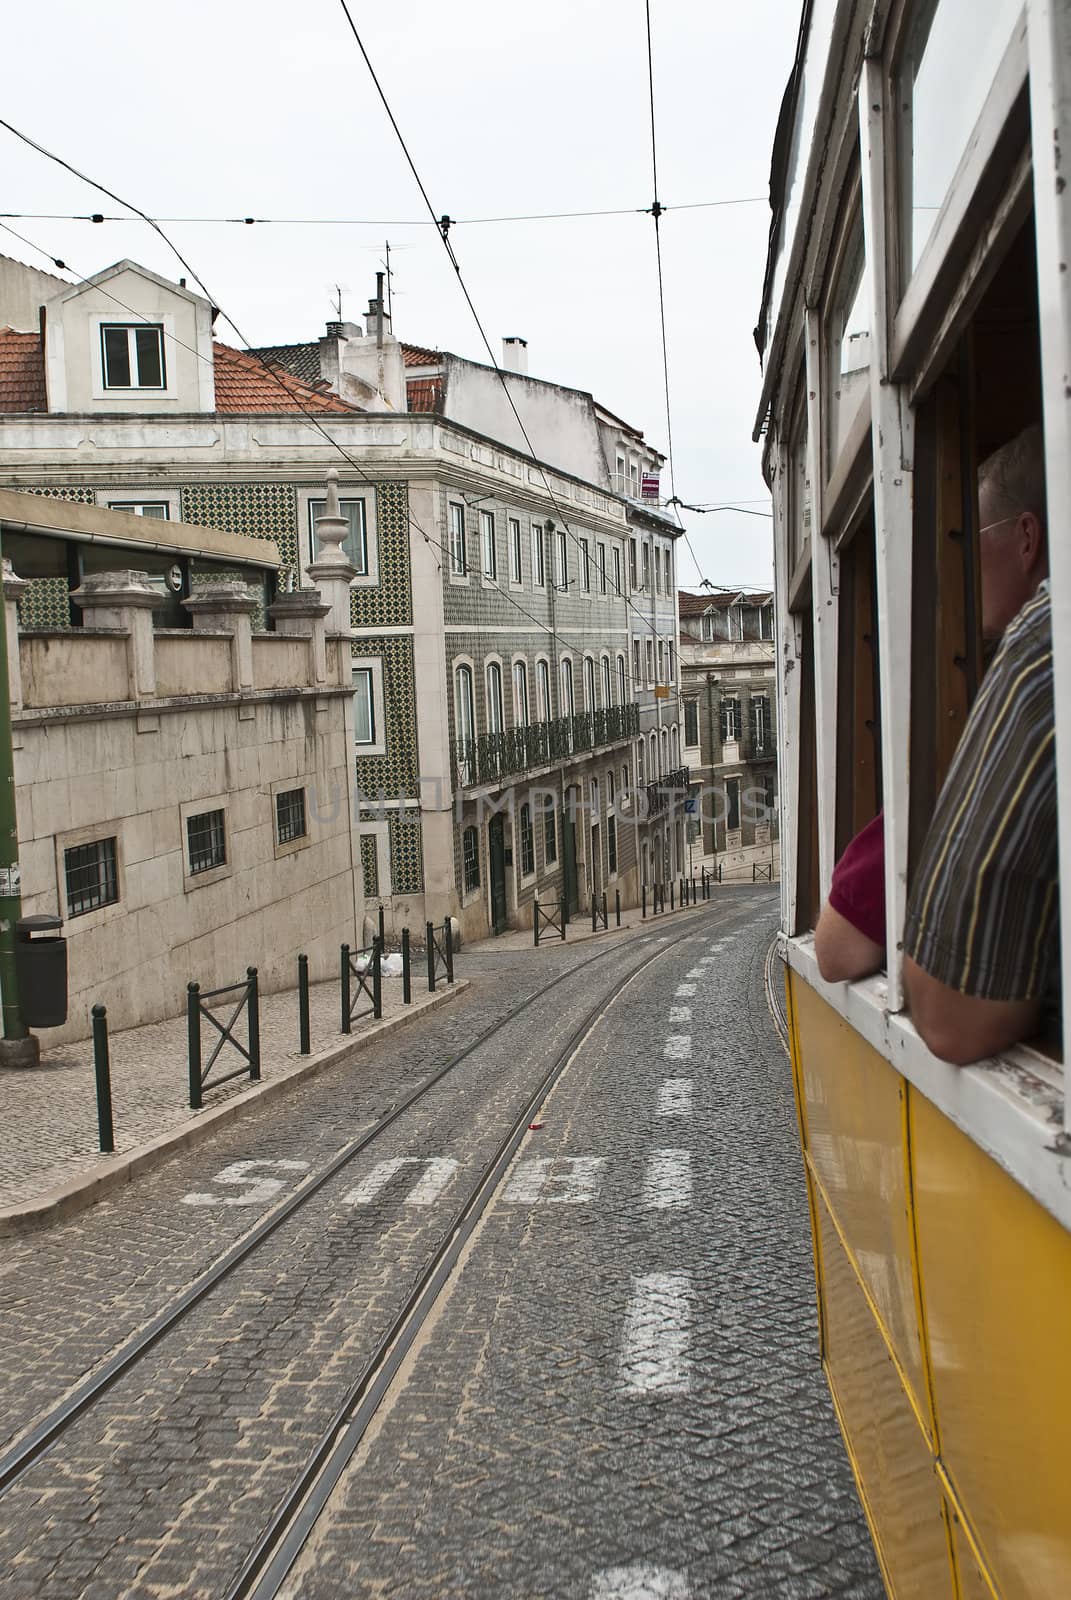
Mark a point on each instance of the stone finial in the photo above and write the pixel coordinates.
(332, 529)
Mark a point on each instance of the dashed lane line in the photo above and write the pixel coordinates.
(675, 1098)
(678, 1047)
(640, 1582)
(667, 1180)
(655, 1354)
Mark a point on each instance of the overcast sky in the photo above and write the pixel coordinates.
(254, 107)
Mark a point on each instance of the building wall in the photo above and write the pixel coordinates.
(711, 674)
(136, 777)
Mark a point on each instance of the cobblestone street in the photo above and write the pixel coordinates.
(617, 1395)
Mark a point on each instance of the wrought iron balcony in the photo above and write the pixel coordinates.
(492, 758)
(664, 789)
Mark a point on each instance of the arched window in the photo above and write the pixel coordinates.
(589, 684)
(465, 720)
(665, 751)
(640, 759)
(654, 768)
(470, 858)
(495, 718)
(568, 706)
(675, 747)
(607, 682)
(622, 682)
(520, 694)
(527, 841)
(543, 706)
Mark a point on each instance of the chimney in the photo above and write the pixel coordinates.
(377, 322)
(515, 354)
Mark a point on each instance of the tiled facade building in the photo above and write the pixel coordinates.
(728, 683)
(491, 602)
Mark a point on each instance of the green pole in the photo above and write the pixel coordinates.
(10, 890)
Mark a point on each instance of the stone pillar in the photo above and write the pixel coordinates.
(228, 608)
(14, 588)
(125, 601)
(300, 614)
(331, 571)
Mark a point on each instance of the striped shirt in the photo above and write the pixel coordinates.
(983, 911)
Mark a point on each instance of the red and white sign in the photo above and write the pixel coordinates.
(649, 486)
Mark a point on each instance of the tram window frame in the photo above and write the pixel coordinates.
(847, 279)
(859, 775)
(799, 541)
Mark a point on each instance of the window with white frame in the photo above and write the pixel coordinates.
(539, 564)
(568, 705)
(520, 694)
(562, 576)
(617, 570)
(661, 661)
(132, 355)
(589, 684)
(355, 546)
(495, 719)
(634, 478)
(691, 723)
(707, 625)
(465, 723)
(730, 720)
(667, 557)
(458, 558)
(550, 831)
(622, 681)
(657, 569)
(364, 706)
(159, 509)
(607, 682)
(636, 662)
(653, 755)
(650, 660)
(646, 583)
(487, 539)
(632, 563)
(641, 759)
(515, 568)
(760, 720)
(543, 702)
(602, 568)
(585, 566)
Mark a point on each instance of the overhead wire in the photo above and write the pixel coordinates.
(444, 230)
(381, 222)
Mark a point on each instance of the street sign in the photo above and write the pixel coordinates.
(661, 691)
(649, 486)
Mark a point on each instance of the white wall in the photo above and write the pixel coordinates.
(560, 422)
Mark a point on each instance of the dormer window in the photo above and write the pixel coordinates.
(132, 355)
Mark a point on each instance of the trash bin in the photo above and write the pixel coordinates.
(41, 968)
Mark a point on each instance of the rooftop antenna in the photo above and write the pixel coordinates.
(337, 302)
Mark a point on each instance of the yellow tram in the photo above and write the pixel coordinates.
(916, 315)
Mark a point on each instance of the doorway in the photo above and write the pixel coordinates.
(496, 852)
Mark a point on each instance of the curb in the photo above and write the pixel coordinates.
(114, 1171)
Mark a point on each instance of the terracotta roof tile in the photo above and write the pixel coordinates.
(22, 372)
(415, 355)
(424, 394)
(243, 385)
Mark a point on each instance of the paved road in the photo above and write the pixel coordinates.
(619, 1396)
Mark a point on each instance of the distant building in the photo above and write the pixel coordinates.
(498, 706)
(728, 679)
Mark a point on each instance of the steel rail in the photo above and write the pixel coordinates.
(268, 1565)
(32, 1445)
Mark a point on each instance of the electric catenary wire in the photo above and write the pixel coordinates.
(380, 222)
(656, 215)
(444, 224)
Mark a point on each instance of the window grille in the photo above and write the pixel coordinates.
(207, 842)
(527, 841)
(470, 855)
(550, 833)
(92, 876)
(290, 815)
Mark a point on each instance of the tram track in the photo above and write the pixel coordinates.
(50, 1427)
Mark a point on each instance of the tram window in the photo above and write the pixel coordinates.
(952, 55)
(859, 703)
(799, 492)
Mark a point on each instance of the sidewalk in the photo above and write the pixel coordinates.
(52, 1165)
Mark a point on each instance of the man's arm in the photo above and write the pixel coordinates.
(844, 954)
(962, 1028)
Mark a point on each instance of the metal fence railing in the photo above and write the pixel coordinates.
(364, 966)
(440, 950)
(548, 921)
(198, 1007)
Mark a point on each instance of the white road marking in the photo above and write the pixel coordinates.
(678, 1047)
(696, 972)
(578, 1176)
(667, 1179)
(675, 1098)
(438, 1172)
(640, 1583)
(685, 990)
(680, 1014)
(258, 1188)
(654, 1356)
(707, 961)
